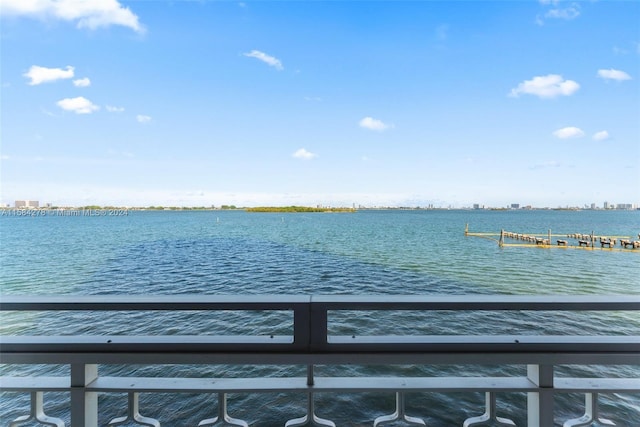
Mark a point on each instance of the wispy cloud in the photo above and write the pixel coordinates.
(374, 124)
(549, 86)
(86, 14)
(568, 13)
(303, 154)
(619, 50)
(601, 136)
(612, 74)
(547, 165)
(112, 109)
(48, 113)
(79, 105)
(267, 59)
(39, 75)
(568, 133)
(85, 82)
(141, 118)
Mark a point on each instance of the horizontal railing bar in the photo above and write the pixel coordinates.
(237, 385)
(365, 344)
(263, 384)
(324, 302)
(337, 358)
(478, 302)
(158, 302)
(604, 385)
(491, 343)
(484, 339)
(35, 383)
(417, 384)
(321, 384)
(428, 343)
(145, 344)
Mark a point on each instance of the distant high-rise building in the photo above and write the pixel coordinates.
(515, 205)
(593, 205)
(606, 205)
(27, 204)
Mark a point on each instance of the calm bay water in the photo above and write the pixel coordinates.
(362, 253)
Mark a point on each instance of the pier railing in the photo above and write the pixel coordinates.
(312, 343)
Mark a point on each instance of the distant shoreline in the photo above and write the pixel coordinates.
(295, 209)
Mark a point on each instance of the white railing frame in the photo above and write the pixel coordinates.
(311, 344)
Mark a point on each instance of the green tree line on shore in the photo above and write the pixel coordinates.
(293, 209)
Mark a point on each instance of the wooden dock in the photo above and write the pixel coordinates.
(562, 241)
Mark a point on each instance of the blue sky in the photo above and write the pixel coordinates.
(200, 103)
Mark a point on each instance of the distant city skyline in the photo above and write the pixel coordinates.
(36, 204)
(320, 103)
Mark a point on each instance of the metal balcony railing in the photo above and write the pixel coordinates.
(312, 342)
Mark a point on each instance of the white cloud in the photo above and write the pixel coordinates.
(267, 59)
(612, 74)
(40, 75)
(91, 14)
(601, 136)
(79, 105)
(304, 154)
(112, 109)
(374, 124)
(85, 82)
(567, 13)
(548, 86)
(141, 118)
(569, 132)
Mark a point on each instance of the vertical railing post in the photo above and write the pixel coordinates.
(310, 379)
(84, 405)
(540, 403)
(319, 326)
(302, 325)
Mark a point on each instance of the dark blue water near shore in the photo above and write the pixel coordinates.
(364, 253)
(218, 265)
